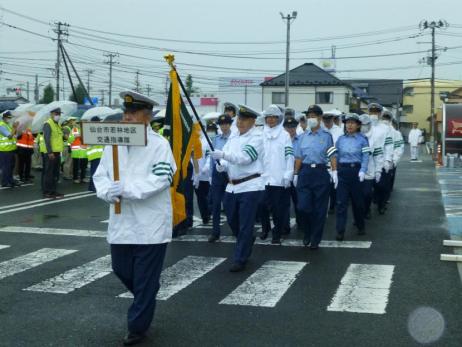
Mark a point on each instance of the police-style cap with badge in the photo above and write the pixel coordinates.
(290, 122)
(247, 112)
(228, 106)
(317, 110)
(352, 116)
(224, 119)
(134, 101)
(375, 107)
(387, 115)
(56, 110)
(7, 114)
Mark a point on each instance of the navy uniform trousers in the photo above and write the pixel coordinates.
(348, 187)
(277, 201)
(313, 189)
(368, 190)
(139, 268)
(216, 194)
(202, 195)
(241, 211)
(7, 163)
(382, 189)
(298, 214)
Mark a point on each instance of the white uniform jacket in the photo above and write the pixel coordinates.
(146, 174)
(385, 137)
(414, 137)
(204, 162)
(278, 158)
(336, 132)
(398, 145)
(243, 158)
(376, 158)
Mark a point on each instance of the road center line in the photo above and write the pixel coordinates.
(364, 289)
(266, 286)
(4, 246)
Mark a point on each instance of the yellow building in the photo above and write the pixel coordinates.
(416, 101)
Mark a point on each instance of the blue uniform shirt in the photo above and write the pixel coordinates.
(315, 147)
(295, 142)
(219, 142)
(353, 149)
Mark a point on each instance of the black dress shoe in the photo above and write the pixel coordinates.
(133, 339)
(276, 241)
(339, 237)
(48, 196)
(213, 238)
(264, 235)
(381, 211)
(58, 195)
(237, 267)
(314, 247)
(306, 242)
(7, 185)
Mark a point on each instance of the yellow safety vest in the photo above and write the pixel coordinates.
(57, 143)
(7, 144)
(95, 152)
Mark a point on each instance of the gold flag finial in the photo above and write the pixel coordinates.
(170, 58)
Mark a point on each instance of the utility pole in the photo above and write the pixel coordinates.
(166, 89)
(60, 30)
(431, 61)
(111, 62)
(36, 90)
(148, 89)
(245, 94)
(89, 72)
(137, 81)
(289, 18)
(102, 97)
(27, 86)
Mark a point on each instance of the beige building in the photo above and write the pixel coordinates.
(417, 97)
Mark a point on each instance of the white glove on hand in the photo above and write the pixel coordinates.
(217, 155)
(220, 168)
(196, 181)
(115, 192)
(361, 176)
(378, 175)
(295, 180)
(334, 176)
(387, 166)
(286, 182)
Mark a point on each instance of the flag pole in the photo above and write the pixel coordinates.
(170, 58)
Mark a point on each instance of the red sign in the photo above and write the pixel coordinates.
(209, 101)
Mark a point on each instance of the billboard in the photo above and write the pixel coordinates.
(452, 128)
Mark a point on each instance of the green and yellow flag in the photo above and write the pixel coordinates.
(184, 137)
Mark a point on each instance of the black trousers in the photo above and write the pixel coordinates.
(50, 172)
(139, 268)
(276, 201)
(202, 194)
(24, 162)
(79, 168)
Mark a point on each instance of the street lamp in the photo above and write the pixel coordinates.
(289, 18)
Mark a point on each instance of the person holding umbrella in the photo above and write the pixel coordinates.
(7, 149)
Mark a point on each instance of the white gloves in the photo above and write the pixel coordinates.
(334, 176)
(378, 175)
(361, 176)
(196, 181)
(217, 155)
(286, 182)
(387, 166)
(220, 168)
(115, 192)
(295, 180)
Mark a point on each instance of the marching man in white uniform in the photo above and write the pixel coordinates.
(414, 140)
(242, 158)
(140, 234)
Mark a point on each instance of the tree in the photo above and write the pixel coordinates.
(79, 95)
(48, 95)
(189, 86)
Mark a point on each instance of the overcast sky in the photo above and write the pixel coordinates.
(240, 21)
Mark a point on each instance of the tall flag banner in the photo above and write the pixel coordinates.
(184, 137)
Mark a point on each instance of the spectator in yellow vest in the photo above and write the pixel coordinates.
(94, 154)
(7, 149)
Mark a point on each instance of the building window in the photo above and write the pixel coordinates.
(324, 97)
(408, 108)
(347, 98)
(278, 98)
(408, 91)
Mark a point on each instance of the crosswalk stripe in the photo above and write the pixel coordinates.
(40, 200)
(54, 231)
(364, 289)
(4, 246)
(22, 185)
(267, 285)
(182, 274)
(75, 278)
(31, 260)
(56, 201)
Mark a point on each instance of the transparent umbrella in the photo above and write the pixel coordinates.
(100, 111)
(67, 107)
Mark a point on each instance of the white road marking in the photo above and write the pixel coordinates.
(4, 246)
(54, 231)
(22, 185)
(75, 278)
(105, 221)
(452, 243)
(266, 286)
(54, 201)
(39, 200)
(451, 257)
(31, 260)
(182, 274)
(286, 242)
(364, 289)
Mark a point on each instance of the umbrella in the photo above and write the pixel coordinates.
(24, 122)
(67, 107)
(211, 116)
(22, 108)
(117, 117)
(100, 111)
